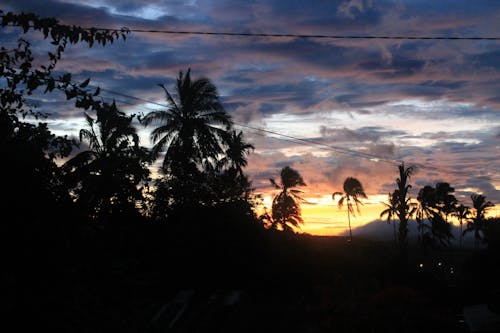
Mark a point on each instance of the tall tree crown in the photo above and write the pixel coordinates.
(194, 128)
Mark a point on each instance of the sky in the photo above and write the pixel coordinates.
(431, 103)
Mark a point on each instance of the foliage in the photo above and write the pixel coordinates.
(405, 208)
(352, 191)
(236, 152)
(478, 224)
(23, 78)
(204, 158)
(435, 205)
(286, 212)
(462, 213)
(174, 192)
(193, 129)
(391, 211)
(445, 201)
(109, 177)
(23, 75)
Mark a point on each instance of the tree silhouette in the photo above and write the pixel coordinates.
(352, 191)
(192, 128)
(478, 224)
(462, 213)
(286, 212)
(445, 201)
(23, 74)
(426, 199)
(405, 208)
(236, 152)
(435, 204)
(42, 231)
(391, 211)
(107, 178)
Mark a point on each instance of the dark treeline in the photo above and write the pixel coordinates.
(96, 243)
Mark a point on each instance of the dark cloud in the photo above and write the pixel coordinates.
(363, 134)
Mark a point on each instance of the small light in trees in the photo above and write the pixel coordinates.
(421, 265)
(440, 264)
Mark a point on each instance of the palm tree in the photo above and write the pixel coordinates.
(352, 191)
(107, 175)
(406, 208)
(478, 223)
(236, 152)
(192, 128)
(391, 211)
(286, 212)
(426, 199)
(446, 202)
(462, 213)
(435, 205)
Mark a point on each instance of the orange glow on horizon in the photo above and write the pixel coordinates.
(328, 220)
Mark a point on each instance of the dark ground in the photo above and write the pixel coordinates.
(210, 281)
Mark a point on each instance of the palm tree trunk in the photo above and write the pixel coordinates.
(395, 233)
(349, 220)
(461, 234)
(422, 234)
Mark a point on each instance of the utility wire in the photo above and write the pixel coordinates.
(250, 34)
(341, 150)
(289, 138)
(307, 142)
(287, 35)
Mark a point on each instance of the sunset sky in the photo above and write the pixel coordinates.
(431, 103)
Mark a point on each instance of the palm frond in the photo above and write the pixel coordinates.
(273, 182)
(340, 203)
(171, 100)
(335, 194)
(160, 116)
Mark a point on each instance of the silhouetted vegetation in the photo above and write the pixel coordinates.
(391, 211)
(108, 179)
(404, 207)
(92, 243)
(462, 213)
(478, 223)
(352, 190)
(286, 212)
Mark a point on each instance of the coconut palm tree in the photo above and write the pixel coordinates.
(193, 127)
(426, 199)
(286, 212)
(352, 191)
(391, 211)
(236, 152)
(107, 176)
(435, 204)
(462, 213)
(406, 208)
(478, 223)
(445, 201)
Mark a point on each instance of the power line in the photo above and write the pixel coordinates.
(129, 96)
(337, 149)
(274, 35)
(290, 138)
(288, 35)
(341, 150)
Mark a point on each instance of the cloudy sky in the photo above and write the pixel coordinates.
(431, 103)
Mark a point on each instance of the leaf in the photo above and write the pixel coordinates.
(273, 182)
(85, 83)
